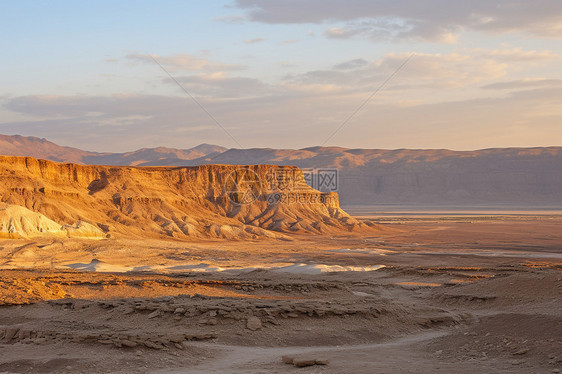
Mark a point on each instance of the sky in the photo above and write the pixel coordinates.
(121, 75)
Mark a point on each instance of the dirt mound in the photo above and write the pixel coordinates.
(19, 222)
(209, 201)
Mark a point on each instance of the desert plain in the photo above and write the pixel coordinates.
(420, 294)
(269, 186)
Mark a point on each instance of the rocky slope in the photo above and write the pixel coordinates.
(18, 222)
(209, 201)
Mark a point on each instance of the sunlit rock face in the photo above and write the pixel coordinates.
(208, 201)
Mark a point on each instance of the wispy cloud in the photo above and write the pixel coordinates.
(524, 84)
(254, 40)
(516, 54)
(343, 33)
(351, 64)
(528, 116)
(219, 85)
(459, 69)
(439, 93)
(183, 61)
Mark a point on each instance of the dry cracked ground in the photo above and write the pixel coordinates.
(463, 295)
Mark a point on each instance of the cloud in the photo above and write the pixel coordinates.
(342, 33)
(254, 40)
(210, 79)
(88, 106)
(523, 84)
(431, 102)
(516, 55)
(218, 85)
(132, 120)
(351, 64)
(286, 64)
(452, 71)
(284, 116)
(124, 122)
(290, 41)
(185, 62)
(436, 20)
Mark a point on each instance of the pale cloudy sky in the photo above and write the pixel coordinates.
(283, 73)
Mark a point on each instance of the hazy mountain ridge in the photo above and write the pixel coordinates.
(519, 176)
(17, 145)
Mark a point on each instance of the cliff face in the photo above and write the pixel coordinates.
(209, 201)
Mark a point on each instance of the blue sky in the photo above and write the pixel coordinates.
(283, 74)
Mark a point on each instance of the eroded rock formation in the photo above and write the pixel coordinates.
(208, 201)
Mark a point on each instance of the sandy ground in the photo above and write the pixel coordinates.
(456, 295)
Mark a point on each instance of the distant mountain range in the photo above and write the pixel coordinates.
(17, 145)
(501, 176)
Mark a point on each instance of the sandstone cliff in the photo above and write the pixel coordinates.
(209, 201)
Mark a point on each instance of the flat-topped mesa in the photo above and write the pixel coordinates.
(206, 201)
